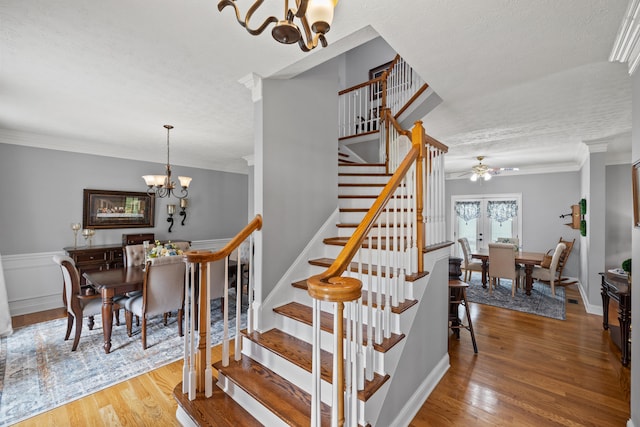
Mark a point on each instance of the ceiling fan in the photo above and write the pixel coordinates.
(486, 172)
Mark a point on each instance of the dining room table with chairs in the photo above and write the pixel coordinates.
(526, 258)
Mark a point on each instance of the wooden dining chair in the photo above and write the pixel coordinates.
(502, 263)
(78, 305)
(162, 292)
(469, 265)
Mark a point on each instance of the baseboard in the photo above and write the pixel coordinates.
(413, 405)
(630, 423)
(589, 308)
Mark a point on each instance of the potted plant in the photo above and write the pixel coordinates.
(626, 266)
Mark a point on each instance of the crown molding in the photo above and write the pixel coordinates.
(626, 47)
(253, 82)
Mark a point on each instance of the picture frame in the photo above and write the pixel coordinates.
(117, 209)
(374, 73)
(635, 184)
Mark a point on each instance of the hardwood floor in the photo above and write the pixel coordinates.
(530, 371)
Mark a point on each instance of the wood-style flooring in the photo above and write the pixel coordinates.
(530, 371)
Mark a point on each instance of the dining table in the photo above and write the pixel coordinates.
(528, 259)
(109, 283)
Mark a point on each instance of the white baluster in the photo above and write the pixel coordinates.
(387, 279)
(238, 341)
(225, 301)
(379, 287)
(208, 374)
(369, 354)
(316, 394)
(250, 313)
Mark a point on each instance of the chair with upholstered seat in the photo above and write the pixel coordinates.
(78, 305)
(162, 292)
(502, 264)
(550, 274)
(469, 265)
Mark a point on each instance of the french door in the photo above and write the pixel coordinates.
(485, 219)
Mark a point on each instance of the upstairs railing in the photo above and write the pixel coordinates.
(390, 242)
(197, 375)
(360, 107)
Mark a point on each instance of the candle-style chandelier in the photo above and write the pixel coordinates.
(162, 185)
(315, 17)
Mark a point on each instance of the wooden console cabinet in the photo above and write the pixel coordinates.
(619, 289)
(95, 258)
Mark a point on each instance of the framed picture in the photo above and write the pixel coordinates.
(117, 209)
(374, 73)
(635, 184)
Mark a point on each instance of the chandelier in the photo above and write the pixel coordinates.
(162, 185)
(314, 16)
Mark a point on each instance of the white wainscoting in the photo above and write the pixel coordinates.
(34, 282)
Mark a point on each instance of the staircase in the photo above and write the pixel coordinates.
(334, 354)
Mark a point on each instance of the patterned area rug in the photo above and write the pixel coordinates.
(540, 302)
(38, 370)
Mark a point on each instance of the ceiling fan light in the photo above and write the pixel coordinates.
(487, 176)
(474, 177)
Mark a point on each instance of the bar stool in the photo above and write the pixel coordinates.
(457, 297)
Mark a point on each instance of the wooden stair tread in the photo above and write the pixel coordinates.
(218, 410)
(284, 399)
(326, 262)
(402, 307)
(363, 196)
(304, 314)
(299, 353)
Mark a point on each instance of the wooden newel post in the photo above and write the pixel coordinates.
(417, 139)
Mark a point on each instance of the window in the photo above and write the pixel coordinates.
(484, 219)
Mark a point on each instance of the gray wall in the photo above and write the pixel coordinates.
(544, 198)
(360, 60)
(619, 215)
(635, 296)
(42, 195)
(298, 173)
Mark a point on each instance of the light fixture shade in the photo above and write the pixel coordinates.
(487, 176)
(150, 180)
(320, 11)
(184, 181)
(474, 177)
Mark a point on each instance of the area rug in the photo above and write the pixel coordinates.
(540, 302)
(38, 370)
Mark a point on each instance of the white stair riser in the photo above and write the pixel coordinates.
(356, 217)
(396, 258)
(348, 231)
(359, 191)
(363, 179)
(354, 203)
(257, 410)
(361, 169)
(289, 371)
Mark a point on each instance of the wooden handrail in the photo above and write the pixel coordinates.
(429, 140)
(355, 241)
(201, 256)
(361, 85)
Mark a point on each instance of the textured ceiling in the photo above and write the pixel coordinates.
(524, 83)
